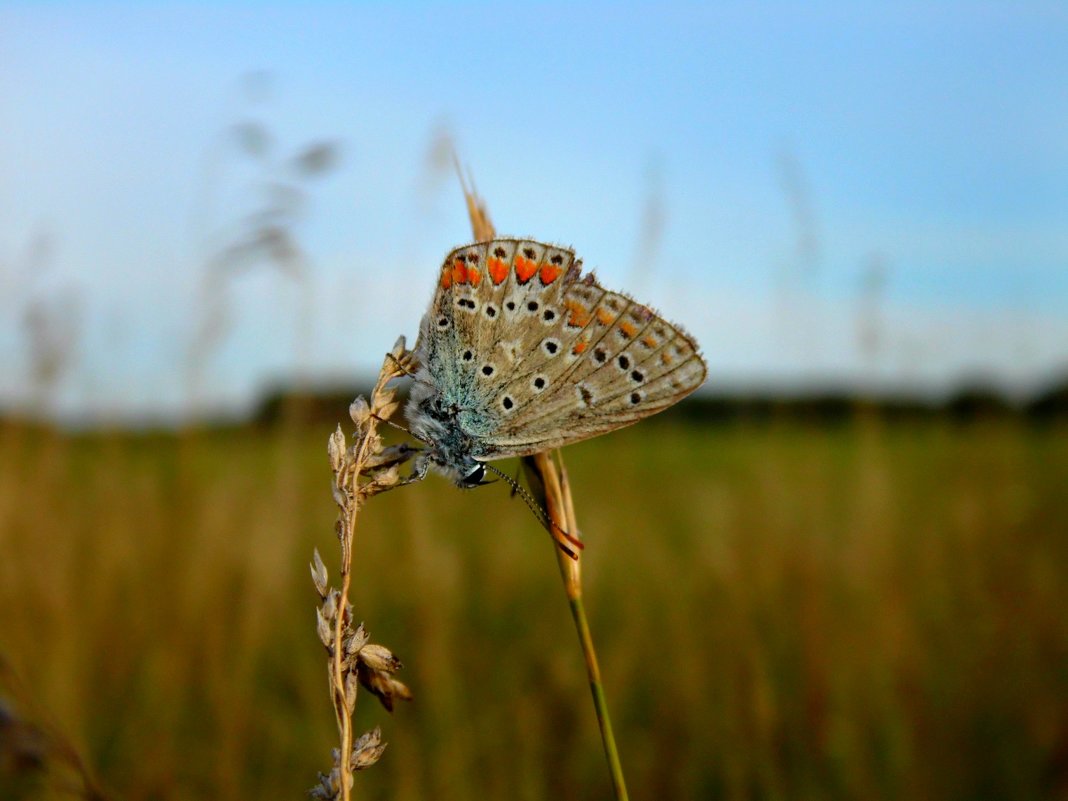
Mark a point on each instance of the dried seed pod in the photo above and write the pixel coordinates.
(327, 788)
(318, 574)
(386, 410)
(359, 411)
(378, 657)
(367, 750)
(323, 628)
(384, 396)
(383, 686)
(340, 498)
(330, 605)
(357, 641)
(387, 478)
(374, 443)
(335, 447)
(351, 686)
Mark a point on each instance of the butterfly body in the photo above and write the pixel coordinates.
(521, 352)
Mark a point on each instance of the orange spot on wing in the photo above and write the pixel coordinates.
(474, 276)
(459, 273)
(549, 273)
(628, 329)
(649, 342)
(580, 315)
(498, 270)
(665, 357)
(604, 316)
(446, 278)
(580, 346)
(524, 269)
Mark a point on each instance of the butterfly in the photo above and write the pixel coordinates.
(521, 352)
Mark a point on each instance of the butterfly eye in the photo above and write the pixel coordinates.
(474, 477)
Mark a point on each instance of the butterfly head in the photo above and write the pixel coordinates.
(466, 473)
(475, 477)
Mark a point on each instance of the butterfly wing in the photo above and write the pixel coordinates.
(487, 314)
(607, 362)
(538, 356)
(534, 355)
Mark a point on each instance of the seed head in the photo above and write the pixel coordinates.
(360, 411)
(367, 749)
(318, 573)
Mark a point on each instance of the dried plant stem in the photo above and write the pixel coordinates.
(360, 472)
(347, 535)
(600, 702)
(344, 721)
(551, 486)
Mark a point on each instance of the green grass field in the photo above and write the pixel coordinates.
(782, 611)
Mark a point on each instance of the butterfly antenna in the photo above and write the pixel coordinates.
(541, 514)
(408, 373)
(515, 481)
(397, 426)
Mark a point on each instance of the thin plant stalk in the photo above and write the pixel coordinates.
(361, 471)
(551, 488)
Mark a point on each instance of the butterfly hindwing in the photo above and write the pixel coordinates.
(618, 362)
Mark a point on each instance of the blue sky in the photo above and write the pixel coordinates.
(931, 141)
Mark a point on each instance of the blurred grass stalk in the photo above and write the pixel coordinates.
(32, 745)
(553, 492)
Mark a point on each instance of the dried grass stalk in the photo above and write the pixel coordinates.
(548, 479)
(361, 470)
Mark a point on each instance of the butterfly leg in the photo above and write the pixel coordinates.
(420, 467)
